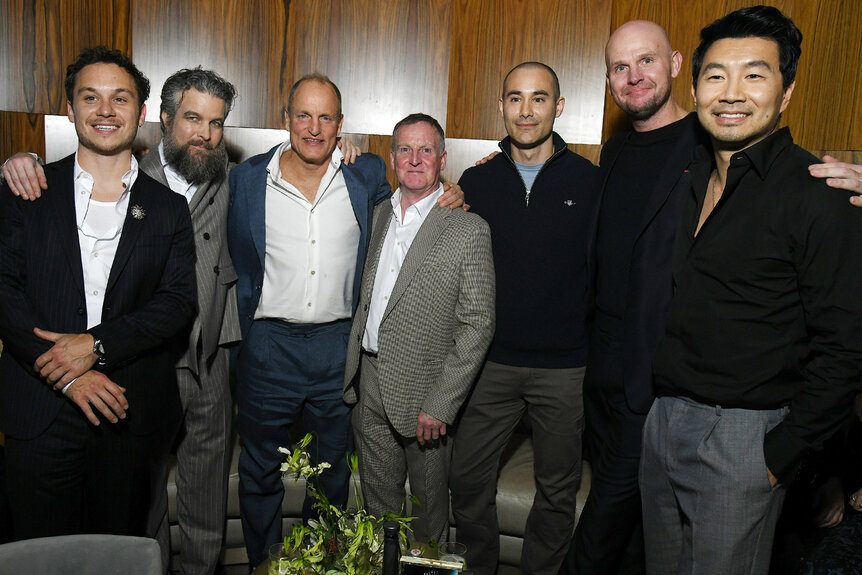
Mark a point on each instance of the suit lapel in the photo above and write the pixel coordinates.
(152, 165)
(358, 197)
(255, 196)
(673, 170)
(425, 239)
(132, 226)
(67, 226)
(382, 221)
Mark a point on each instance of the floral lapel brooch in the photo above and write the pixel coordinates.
(138, 212)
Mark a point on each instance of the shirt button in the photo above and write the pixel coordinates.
(95, 292)
(215, 269)
(313, 242)
(95, 254)
(313, 272)
(309, 304)
(206, 236)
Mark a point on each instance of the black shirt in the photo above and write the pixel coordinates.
(766, 309)
(627, 191)
(540, 252)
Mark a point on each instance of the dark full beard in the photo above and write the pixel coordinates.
(199, 167)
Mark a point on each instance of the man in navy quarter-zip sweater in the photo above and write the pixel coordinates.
(536, 196)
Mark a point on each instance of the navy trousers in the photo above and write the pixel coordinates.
(284, 372)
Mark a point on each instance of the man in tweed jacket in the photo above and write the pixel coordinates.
(424, 322)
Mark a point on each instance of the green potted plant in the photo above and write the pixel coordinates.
(348, 541)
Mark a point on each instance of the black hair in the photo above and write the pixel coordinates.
(754, 22)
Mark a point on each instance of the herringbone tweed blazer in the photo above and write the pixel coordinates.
(438, 323)
(217, 322)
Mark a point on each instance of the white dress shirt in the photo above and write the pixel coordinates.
(100, 225)
(176, 181)
(399, 238)
(310, 258)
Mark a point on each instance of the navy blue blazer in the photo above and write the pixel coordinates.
(246, 224)
(149, 301)
(650, 285)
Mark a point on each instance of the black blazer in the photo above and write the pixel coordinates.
(650, 285)
(149, 302)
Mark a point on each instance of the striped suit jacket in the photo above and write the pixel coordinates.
(217, 322)
(439, 320)
(149, 301)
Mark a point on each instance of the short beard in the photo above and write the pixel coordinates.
(647, 109)
(197, 168)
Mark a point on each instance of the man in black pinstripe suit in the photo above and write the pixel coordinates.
(105, 263)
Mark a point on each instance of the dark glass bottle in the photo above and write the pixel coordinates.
(391, 548)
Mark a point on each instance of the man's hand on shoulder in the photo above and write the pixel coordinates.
(842, 175)
(350, 150)
(95, 390)
(429, 428)
(453, 197)
(24, 176)
(71, 356)
(487, 158)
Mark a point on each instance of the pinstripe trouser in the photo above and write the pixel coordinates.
(708, 507)
(203, 457)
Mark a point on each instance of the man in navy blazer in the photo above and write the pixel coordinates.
(107, 265)
(298, 227)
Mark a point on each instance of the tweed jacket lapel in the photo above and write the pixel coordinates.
(382, 221)
(425, 239)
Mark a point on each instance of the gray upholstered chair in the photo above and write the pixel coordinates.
(82, 554)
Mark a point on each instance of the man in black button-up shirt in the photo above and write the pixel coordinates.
(763, 349)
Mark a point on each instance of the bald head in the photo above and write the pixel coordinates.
(641, 66)
(636, 33)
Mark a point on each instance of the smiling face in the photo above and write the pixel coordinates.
(193, 138)
(529, 107)
(417, 160)
(641, 66)
(314, 122)
(105, 109)
(739, 93)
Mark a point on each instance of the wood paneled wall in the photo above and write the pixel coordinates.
(393, 57)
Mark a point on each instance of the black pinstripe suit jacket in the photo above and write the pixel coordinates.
(149, 302)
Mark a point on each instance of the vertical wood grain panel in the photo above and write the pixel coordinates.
(489, 37)
(39, 38)
(389, 58)
(826, 106)
(243, 40)
(20, 132)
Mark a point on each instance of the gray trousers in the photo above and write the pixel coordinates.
(553, 400)
(203, 458)
(708, 507)
(387, 459)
